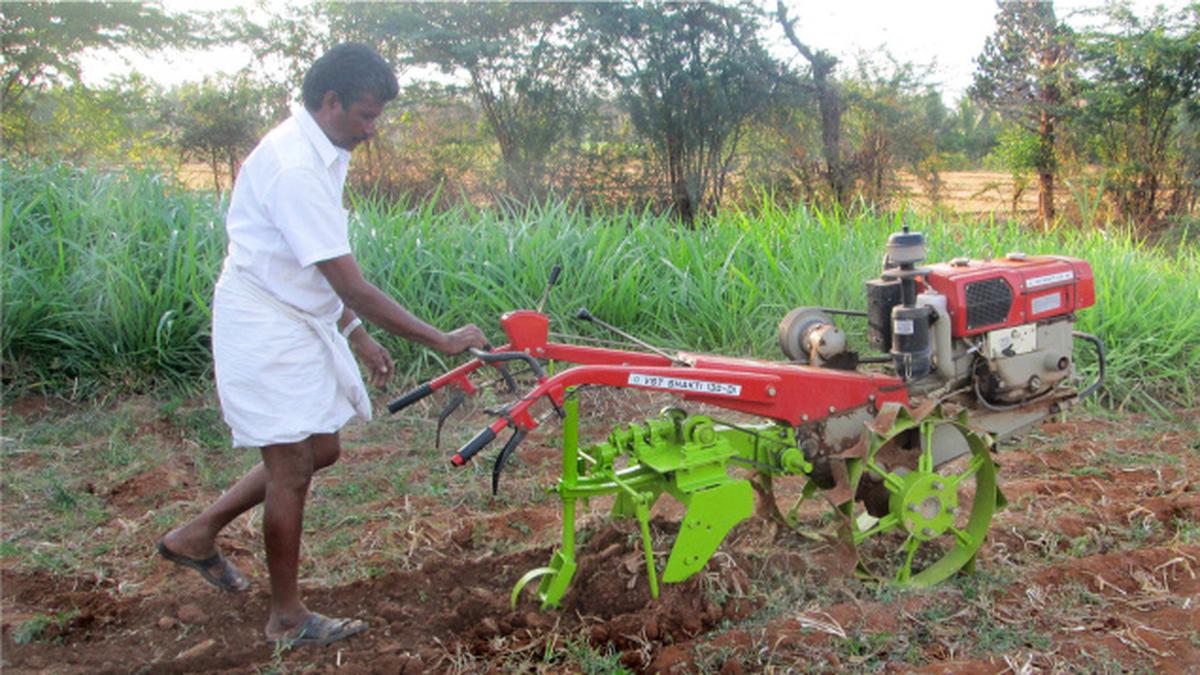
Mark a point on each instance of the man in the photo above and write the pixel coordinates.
(285, 376)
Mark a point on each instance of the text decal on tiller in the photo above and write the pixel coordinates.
(680, 384)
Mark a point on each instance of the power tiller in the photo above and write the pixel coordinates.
(900, 444)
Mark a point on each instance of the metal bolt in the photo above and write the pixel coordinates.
(912, 507)
(937, 485)
(928, 532)
(832, 410)
(871, 398)
(770, 391)
(952, 511)
(804, 418)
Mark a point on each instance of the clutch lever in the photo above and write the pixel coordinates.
(493, 358)
(508, 378)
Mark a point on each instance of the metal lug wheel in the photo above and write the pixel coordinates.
(938, 505)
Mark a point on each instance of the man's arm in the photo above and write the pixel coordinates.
(367, 301)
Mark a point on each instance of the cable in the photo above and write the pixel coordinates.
(1099, 345)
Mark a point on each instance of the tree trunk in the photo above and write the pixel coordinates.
(1045, 170)
(681, 199)
(1046, 199)
(830, 105)
(215, 165)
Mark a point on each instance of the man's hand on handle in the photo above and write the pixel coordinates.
(461, 339)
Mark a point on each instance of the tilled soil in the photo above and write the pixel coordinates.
(1092, 567)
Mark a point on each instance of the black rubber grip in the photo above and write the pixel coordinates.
(554, 272)
(410, 398)
(466, 452)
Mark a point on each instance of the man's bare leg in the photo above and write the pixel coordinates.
(196, 539)
(289, 469)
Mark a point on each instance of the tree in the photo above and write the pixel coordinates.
(691, 75)
(831, 106)
(893, 120)
(1025, 74)
(972, 134)
(1141, 101)
(114, 123)
(518, 59)
(216, 123)
(291, 38)
(44, 41)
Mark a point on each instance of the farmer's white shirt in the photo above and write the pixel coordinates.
(283, 371)
(286, 214)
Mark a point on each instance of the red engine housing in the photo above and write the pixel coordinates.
(982, 296)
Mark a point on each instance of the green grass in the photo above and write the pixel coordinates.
(108, 278)
(34, 629)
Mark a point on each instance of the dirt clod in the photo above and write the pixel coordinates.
(671, 659)
(192, 614)
(731, 667)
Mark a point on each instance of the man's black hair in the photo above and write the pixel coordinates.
(351, 71)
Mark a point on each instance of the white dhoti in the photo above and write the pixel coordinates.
(282, 374)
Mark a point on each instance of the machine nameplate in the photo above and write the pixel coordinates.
(1038, 282)
(1046, 303)
(903, 327)
(681, 384)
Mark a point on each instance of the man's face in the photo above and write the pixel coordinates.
(347, 126)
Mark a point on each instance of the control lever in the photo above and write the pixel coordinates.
(585, 315)
(500, 357)
(554, 272)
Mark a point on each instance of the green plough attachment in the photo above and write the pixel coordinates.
(685, 456)
(923, 485)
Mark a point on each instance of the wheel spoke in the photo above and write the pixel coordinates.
(886, 523)
(925, 463)
(963, 537)
(891, 480)
(905, 572)
(977, 462)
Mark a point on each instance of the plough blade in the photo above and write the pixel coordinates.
(710, 515)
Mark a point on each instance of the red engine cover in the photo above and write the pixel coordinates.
(986, 295)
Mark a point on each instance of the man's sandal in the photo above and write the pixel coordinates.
(215, 569)
(319, 630)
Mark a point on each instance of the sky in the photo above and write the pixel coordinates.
(944, 35)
